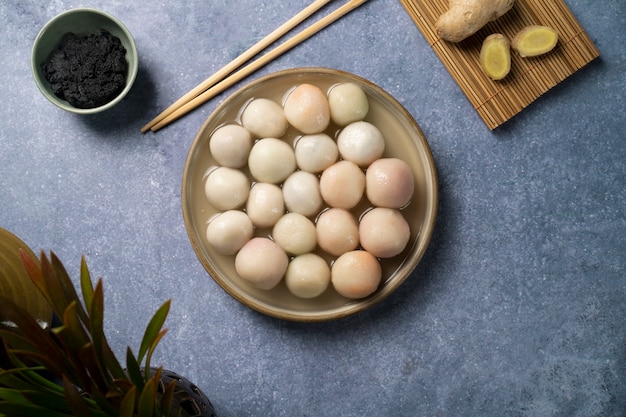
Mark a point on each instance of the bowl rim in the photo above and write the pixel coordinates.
(133, 64)
(355, 306)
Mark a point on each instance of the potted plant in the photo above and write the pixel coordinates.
(69, 368)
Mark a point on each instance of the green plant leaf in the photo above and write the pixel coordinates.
(134, 371)
(64, 282)
(153, 347)
(52, 286)
(127, 407)
(14, 340)
(147, 400)
(96, 317)
(13, 396)
(153, 329)
(76, 330)
(96, 350)
(77, 372)
(40, 358)
(107, 402)
(52, 401)
(103, 351)
(75, 401)
(98, 376)
(111, 363)
(86, 284)
(33, 269)
(24, 378)
(19, 410)
(13, 378)
(36, 336)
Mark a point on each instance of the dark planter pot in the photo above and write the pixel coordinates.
(188, 398)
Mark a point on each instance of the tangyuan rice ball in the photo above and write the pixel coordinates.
(306, 109)
(262, 263)
(356, 274)
(227, 232)
(295, 234)
(307, 275)
(264, 118)
(342, 185)
(230, 145)
(361, 143)
(348, 103)
(337, 231)
(301, 192)
(265, 204)
(389, 183)
(271, 160)
(226, 188)
(315, 153)
(384, 232)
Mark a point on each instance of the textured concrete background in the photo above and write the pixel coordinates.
(518, 308)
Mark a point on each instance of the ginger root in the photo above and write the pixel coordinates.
(495, 56)
(466, 17)
(535, 40)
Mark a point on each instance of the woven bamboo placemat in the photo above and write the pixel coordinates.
(498, 101)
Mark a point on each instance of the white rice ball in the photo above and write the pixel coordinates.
(295, 234)
(271, 160)
(361, 142)
(230, 145)
(265, 204)
(227, 232)
(348, 103)
(226, 188)
(307, 275)
(301, 192)
(264, 118)
(315, 153)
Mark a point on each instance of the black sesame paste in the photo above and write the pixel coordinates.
(87, 71)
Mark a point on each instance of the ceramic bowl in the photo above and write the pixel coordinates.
(81, 21)
(404, 139)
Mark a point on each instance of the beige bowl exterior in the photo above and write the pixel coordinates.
(81, 21)
(404, 139)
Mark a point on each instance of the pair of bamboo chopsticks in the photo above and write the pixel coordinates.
(218, 83)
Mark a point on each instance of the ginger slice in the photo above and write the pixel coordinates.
(535, 40)
(495, 56)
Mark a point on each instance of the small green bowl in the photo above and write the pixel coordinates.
(81, 21)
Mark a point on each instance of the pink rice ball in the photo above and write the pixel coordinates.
(384, 232)
(389, 183)
(356, 274)
(342, 185)
(262, 263)
(307, 109)
(337, 231)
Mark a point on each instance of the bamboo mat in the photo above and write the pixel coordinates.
(498, 101)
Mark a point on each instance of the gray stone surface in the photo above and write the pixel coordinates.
(518, 308)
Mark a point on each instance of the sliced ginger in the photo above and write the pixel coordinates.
(495, 56)
(535, 40)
